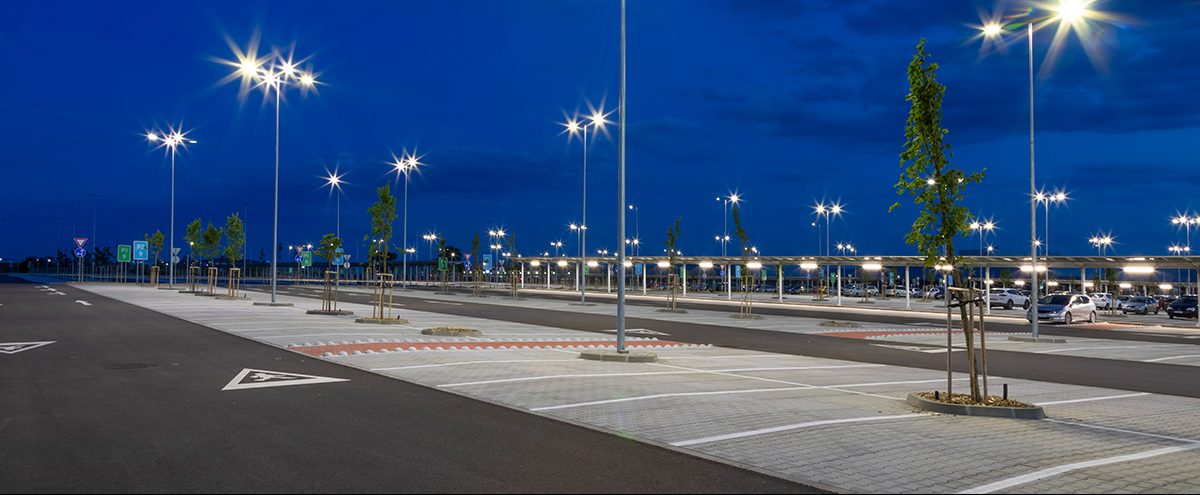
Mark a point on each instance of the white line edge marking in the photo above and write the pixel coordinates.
(460, 363)
(772, 380)
(1091, 399)
(1046, 473)
(1119, 430)
(1170, 358)
(777, 429)
(688, 371)
(725, 392)
(1104, 348)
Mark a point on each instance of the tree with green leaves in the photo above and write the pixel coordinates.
(1114, 290)
(328, 248)
(155, 244)
(383, 214)
(672, 239)
(937, 188)
(235, 231)
(1006, 278)
(444, 263)
(210, 242)
(192, 237)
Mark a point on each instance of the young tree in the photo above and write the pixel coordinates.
(936, 187)
(192, 237)
(1006, 278)
(328, 248)
(210, 242)
(511, 267)
(235, 231)
(672, 238)
(747, 278)
(383, 214)
(155, 244)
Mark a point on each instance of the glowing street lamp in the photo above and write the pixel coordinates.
(574, 128)
(334, 181)
(1070, 15)
(406, 164)
(1057, 198)
(274, 74)
(171, 140)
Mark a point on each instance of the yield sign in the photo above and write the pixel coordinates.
(15, 347)
(251, 378)
(80, 241)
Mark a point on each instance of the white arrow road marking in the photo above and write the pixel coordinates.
(15, 347)
(85, 303)
(251, 378)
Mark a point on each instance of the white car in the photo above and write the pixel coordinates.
(1064, 308)
(1008, 298)
(1121, 302)
(1102, 299)
(857, 290)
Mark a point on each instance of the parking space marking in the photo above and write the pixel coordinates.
(1171, 358)
(461, 363)
(1119, 430)
(797, 426)
(686, 371)
(1103, 348)
(727, 392)
(785, 382)
(1091, 399)
(1057, 470)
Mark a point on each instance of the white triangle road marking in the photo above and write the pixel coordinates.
(15, 347)
(264, 379)
(85, 303)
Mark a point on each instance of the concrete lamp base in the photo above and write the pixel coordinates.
(274, 304)
(611, 355)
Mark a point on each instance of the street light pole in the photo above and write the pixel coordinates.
(621, 195)
(1033, 308)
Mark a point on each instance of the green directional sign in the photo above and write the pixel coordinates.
(124, 253)
(764, 275)
(306, 259)
(441, 264)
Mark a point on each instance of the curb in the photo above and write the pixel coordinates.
(614, 356)
(924, 404)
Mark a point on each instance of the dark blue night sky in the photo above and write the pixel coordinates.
(786, 102)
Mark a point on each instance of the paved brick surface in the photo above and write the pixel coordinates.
(837, 423)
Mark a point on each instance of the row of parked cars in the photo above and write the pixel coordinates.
(1068, 308)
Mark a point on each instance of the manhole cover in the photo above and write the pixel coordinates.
(130, 366)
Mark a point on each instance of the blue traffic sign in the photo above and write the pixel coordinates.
(141, 251)
(298, 258)
(80, 252)
(637, 269)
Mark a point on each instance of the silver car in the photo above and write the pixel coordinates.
(1141, 305)
(1064, 308)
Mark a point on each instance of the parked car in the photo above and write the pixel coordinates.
(1141, 305)
(1184, 307)
(1064, 308)
(936, 293)
(1103, 300)
(1122, 300)
(1008, 298)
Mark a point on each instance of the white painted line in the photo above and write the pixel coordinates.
(734, 356)
(688, 371)
(661, 396)
(461, 363)
(443, 302)
(777, 429)
(1054, 471)
(1118, 430)
(725, 392)
(771, 380)
(793, 368)
(1171, 358)
(1101, 348)
(264, 379)
(85, 303)
(1090, 399)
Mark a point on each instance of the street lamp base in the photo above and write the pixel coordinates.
(274, 304)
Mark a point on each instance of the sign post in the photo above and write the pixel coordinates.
(124, 256)
(141, 253)
(80, 253)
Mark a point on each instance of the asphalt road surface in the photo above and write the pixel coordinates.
(1159, 378)
(129, 400)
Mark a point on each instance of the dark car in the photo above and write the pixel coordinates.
(1184, 307)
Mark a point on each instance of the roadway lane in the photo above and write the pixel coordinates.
(1156, 378)
(129, 400)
